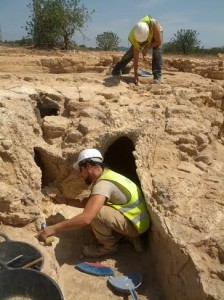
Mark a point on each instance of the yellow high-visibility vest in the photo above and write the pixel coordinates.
(131, 38)
(135, 210)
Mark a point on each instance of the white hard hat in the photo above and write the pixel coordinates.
(141, 32)
(92, 154)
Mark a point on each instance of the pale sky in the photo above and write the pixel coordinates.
(118, 16)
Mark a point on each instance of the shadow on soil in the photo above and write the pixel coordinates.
(125, 261)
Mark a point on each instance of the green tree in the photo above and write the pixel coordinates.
(185, 41)
(45, 27)
(107, 41)
(169, 47)
(56, 21)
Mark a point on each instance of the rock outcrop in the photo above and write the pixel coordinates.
(169, 138)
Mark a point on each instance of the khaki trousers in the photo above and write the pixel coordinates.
(110, 225)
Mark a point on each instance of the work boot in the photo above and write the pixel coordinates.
(156, 81)
(116, 73)
(113, 72)
(97, 250)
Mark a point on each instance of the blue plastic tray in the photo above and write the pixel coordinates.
(127, 283)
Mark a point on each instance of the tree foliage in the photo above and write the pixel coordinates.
(56, 21)
(185, 41)
(107, 41)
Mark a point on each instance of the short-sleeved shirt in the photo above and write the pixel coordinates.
(111, 191)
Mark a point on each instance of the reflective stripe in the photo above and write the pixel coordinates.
(131, 206)
(138, 218)
(135, 210)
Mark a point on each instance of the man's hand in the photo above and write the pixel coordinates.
(46, 232)
(136, 80)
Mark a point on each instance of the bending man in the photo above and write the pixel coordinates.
(145, 35)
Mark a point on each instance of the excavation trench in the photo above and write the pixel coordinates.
(77, 105)
(165, 263)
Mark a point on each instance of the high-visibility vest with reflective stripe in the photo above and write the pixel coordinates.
(135, 209)
(131, 38)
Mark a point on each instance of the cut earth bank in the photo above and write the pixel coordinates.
(169, 138)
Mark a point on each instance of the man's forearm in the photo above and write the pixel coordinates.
(76, 202)
(136, 68)
(71, 224)
(136, 56)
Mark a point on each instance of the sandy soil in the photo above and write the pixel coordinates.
(19, 67)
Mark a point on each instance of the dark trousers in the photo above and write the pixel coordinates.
(129, 55)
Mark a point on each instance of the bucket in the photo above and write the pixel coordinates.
(9, 250)
(27, 283)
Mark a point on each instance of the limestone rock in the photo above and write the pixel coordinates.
(168, 138)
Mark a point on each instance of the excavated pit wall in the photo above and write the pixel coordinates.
(174, 268)
(175, 133)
